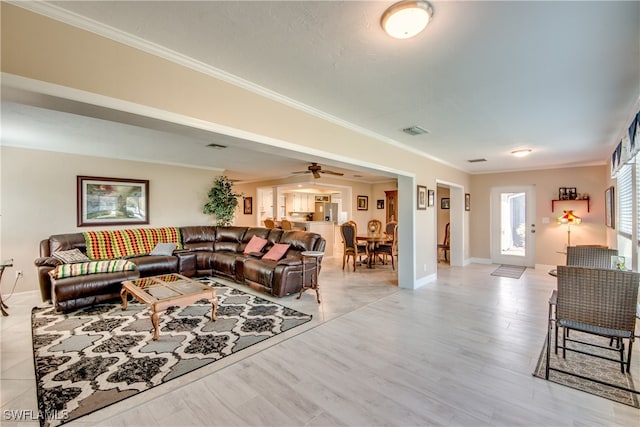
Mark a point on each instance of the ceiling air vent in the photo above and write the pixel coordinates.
(415, 130)
(477, 160)
(217, 146)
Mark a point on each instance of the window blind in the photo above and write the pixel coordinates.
(625, 200)
(637, 187)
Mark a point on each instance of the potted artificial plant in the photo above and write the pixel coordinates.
(222, 201)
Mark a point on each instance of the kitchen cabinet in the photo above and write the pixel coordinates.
(300, 202)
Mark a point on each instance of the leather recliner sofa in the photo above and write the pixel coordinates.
(207, 250)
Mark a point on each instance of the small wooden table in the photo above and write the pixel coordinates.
(167, 290)
(306, 270)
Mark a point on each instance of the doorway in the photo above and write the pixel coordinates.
(513, 225)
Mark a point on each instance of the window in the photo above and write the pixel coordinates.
(637, 191)
(625, 200)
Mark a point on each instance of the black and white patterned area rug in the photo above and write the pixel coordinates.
(510, 271)
(91, 358)
(602, 371)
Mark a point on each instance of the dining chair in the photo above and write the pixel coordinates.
(374, 226)
(286, 225)
(444, 246)
(389, 249)
(269, 223)
(351, 248)
(594, 301)
(389, 227)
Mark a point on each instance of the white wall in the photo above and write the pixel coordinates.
(38, 190)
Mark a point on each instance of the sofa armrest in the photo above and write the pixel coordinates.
(290, 261)
(187, 263)
(47, 261)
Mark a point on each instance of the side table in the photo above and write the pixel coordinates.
(3, 265)
(306, 270)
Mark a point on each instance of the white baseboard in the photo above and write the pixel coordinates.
(480, 261)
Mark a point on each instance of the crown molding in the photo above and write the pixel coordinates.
(71, 18)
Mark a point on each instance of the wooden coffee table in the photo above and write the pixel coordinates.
(167, 290)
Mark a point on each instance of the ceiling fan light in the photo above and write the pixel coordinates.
(406, 18)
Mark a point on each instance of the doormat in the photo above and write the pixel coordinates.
(510, 271)
(601, 370)
(93, 357)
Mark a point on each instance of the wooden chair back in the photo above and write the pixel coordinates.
(390, 227)
(269, 223)
(374, 226)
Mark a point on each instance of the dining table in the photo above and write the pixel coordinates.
(373, 240)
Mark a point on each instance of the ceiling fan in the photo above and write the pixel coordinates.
(316, 170)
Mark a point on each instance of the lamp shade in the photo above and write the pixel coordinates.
(569, 218)
(406, 18)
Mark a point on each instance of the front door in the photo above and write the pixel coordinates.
(512, 225)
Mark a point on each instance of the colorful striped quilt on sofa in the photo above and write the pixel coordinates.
(113, 244)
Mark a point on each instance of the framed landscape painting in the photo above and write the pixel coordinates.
(422, 197)
(431, 197)
(363, 203)
(248, 205)
(112, 201)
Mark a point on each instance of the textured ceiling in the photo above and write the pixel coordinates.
(484, 78)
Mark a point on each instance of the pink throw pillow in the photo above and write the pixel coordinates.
(276, 252)
(255, 245)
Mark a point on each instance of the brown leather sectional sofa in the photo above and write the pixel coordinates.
(208, 250)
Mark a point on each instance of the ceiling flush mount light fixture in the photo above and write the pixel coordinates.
(406, 18)
(522, 153)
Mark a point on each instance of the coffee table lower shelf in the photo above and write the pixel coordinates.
(168, 290)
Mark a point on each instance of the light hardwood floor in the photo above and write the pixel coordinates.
(457, 352)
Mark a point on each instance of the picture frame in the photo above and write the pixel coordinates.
(609, 208)
(467, 201)
(431, 198)
(247, 203)
(422, 197)
(363, 203)
(111, 201)
(444, 203)
(380, 203)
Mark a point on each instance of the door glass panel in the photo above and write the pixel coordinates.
(512, 224)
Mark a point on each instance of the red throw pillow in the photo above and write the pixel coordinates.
(276, 252)
(255, 245)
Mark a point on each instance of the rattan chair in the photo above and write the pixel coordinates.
(594, 301)
(351, 248)
(590, 256)
(269, 223)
